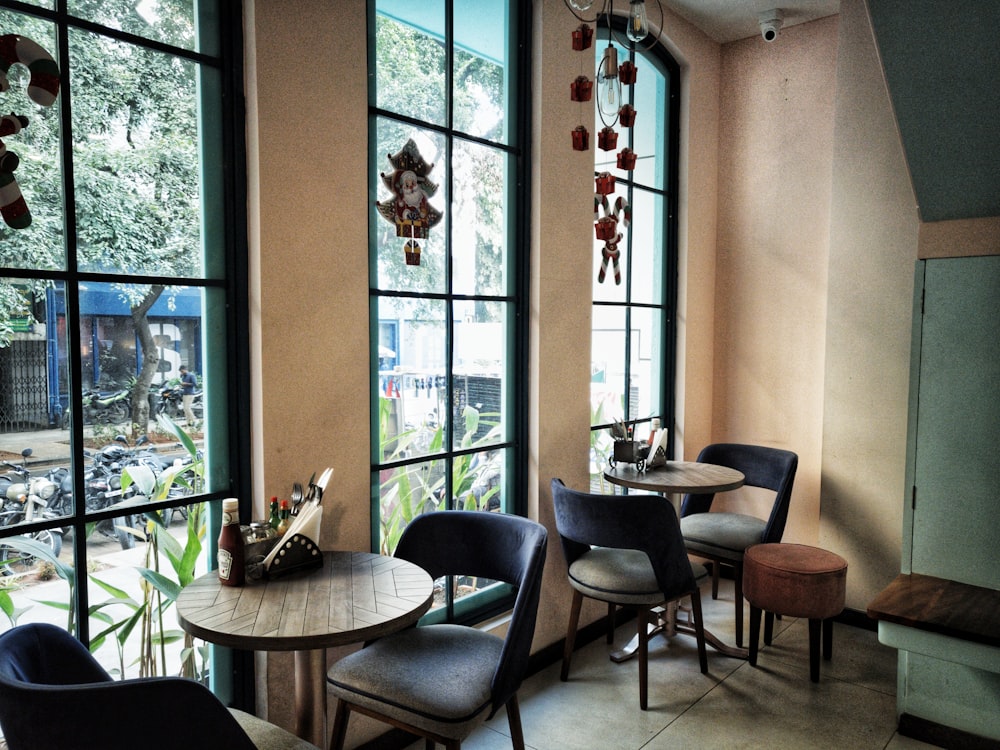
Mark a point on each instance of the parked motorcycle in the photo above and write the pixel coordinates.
(103, 408)
(26, 498)
(171, 403)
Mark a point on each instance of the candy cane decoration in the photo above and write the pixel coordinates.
(610, 254)
(43, 87)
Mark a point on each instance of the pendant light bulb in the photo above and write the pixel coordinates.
(638, 21)
(608, 86)
(581, 4)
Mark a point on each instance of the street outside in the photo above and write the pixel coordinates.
(40, 595)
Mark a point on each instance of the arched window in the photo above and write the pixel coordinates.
(634, 299)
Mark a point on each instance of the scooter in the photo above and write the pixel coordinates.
(103, 408)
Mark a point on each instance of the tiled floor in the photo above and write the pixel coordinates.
(733, 706)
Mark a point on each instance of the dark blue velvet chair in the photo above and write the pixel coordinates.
(625, 550)
(441, 681)
(723, 537)
(54, 694)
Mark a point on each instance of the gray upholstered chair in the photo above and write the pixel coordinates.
(441, 681)
(723, 537)
(54, 694)
(625, 550)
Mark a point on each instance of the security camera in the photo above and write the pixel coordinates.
(770, 23)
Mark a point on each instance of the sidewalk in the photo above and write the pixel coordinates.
(46, 445)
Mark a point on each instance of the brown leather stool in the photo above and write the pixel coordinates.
(798, 581)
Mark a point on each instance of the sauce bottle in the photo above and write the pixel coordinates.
(285, 517)
(274, 518)
(231, 555)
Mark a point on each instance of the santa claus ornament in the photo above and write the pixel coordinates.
(410, 209)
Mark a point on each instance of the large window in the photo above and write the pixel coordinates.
(633, 327)
(126, 270)
(448, 274)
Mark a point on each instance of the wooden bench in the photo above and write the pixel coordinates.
(939, 608)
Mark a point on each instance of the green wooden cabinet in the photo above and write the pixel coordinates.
(951, 526)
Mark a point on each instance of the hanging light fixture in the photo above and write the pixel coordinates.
(638, 22)
(609, 88)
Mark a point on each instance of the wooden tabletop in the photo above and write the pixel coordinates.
(354, 597)
(676, 477)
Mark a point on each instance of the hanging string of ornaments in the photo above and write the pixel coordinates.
(613, 109)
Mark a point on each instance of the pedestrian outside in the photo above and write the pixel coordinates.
(188, 384)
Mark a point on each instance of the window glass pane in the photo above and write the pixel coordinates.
(478, 387)
(136, 160)
(607, 362)
(480, 219)
(482, 69)
(645, 360)
(405, 492)
(478, 481)
(646, 135)
(168, 21)
(403, 197)
(646, 248)
(31, 198)
(410, 70)
(413, 394)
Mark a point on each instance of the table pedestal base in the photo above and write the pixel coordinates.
(310, 696)
(667, 624)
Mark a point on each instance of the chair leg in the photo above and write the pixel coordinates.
(699, 630)
(642, 620)
(715, 579)
(428, 743)
(574, 619)
(814, 630)
(738, 585)
(768, 628)
(339, 733)
(828, 638)
(514, 720)
(754, 634)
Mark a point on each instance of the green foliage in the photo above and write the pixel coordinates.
(407, 491)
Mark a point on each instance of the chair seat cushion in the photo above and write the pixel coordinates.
(437, 677)
(622, 576)
(267, 736)
(723, 535)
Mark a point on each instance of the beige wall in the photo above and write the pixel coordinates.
(794, 291)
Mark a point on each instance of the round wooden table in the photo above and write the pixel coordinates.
(354, 597)
(676, 477)
(672, 479)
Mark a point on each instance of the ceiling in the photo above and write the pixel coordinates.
(729, 20)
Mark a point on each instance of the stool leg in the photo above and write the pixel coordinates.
(814, 631)
(754, 634)
(768, 628)
(828, 638)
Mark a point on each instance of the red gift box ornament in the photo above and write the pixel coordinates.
(582, 37)
(626, 115)
(607, 139)
(626, 159)
(604, 183)
(581, 89)
(627, 72)
(606, 228)
(581, 138)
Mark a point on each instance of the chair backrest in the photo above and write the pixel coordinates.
(54, 694)
(488, 545)
(635, 521)
(768, 468)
